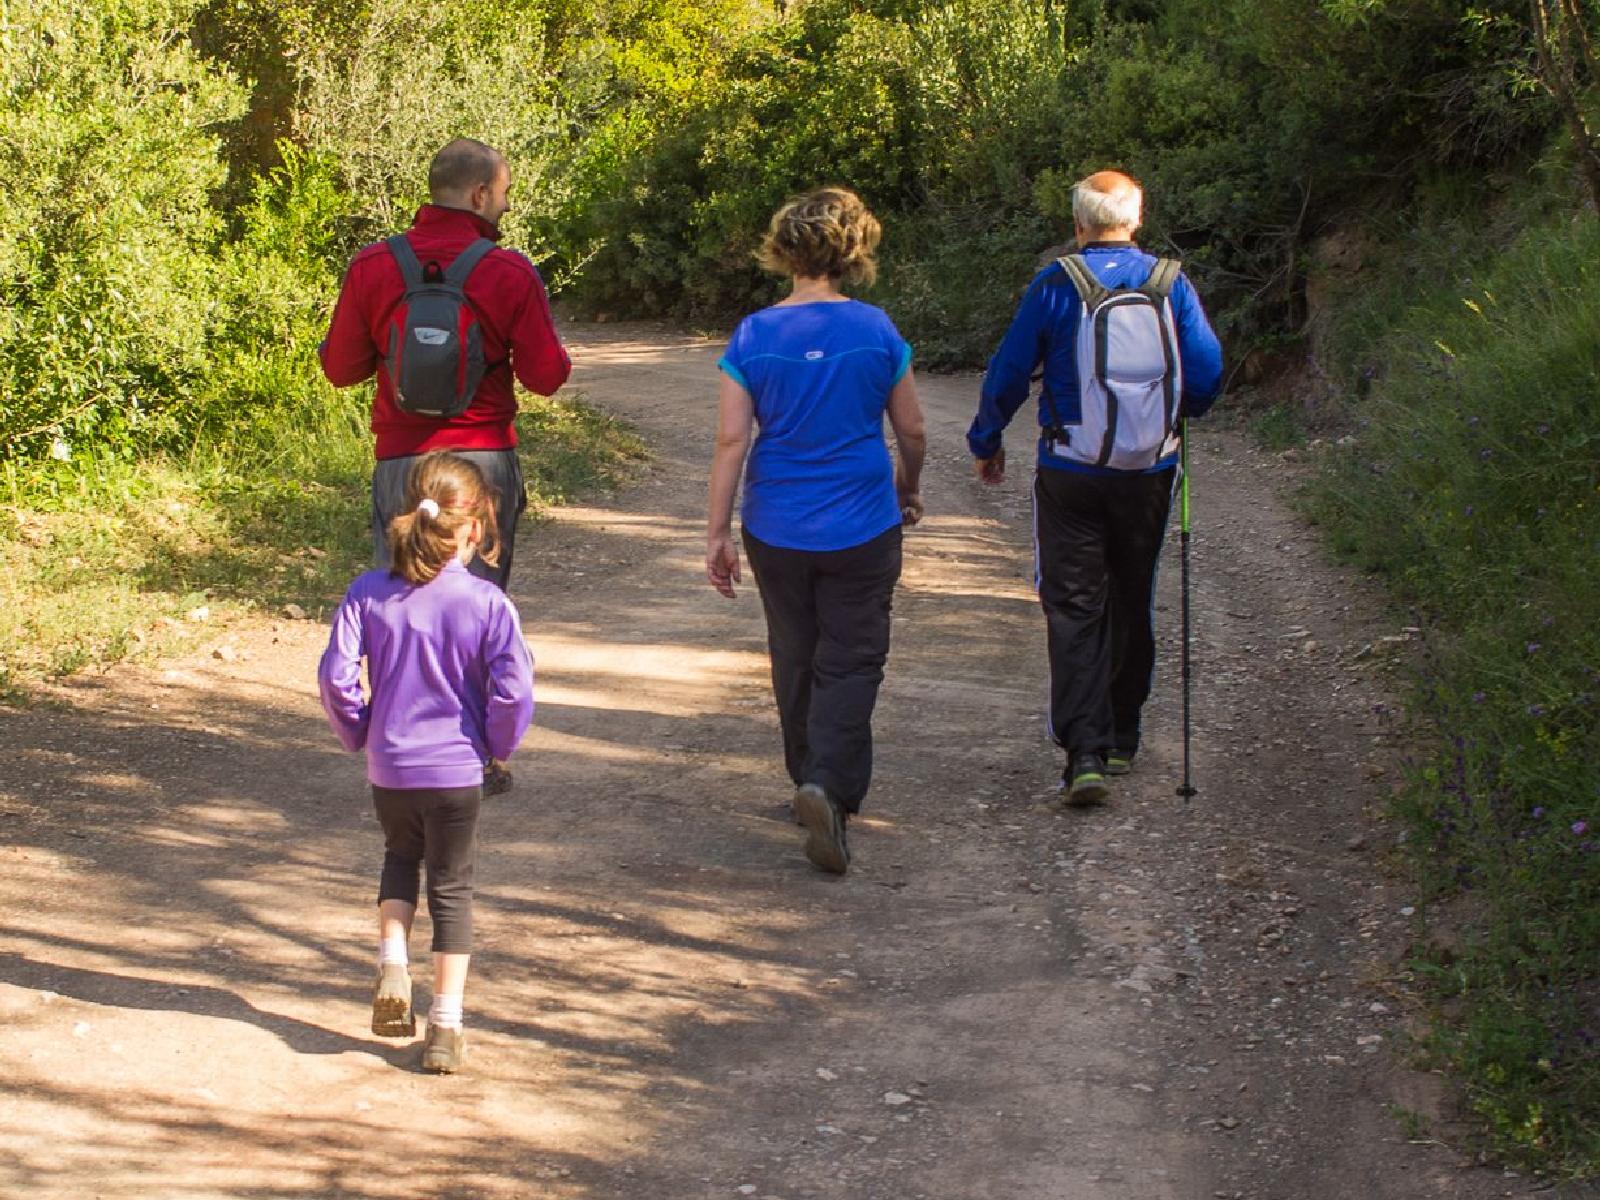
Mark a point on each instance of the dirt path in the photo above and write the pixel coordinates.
(1145, 1002)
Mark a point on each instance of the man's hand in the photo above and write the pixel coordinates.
(722, 563)
(992, 470)
(910, 507)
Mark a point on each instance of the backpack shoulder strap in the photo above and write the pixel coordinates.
(462, 265)
(406, 257)
(1090, 290)
(1163, 277)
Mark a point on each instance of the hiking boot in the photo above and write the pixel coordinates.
(391, 1002)
(443, 1052)
(1119, 762)
(825, 841)
(1085, 780)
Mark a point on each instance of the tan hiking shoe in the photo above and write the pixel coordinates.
(824, 821)
(443, 1052)
(391, 1002)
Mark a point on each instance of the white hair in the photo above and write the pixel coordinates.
(1094, 209)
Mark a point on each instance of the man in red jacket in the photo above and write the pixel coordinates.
(468, 183)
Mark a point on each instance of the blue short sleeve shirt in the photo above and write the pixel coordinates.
(819, 476)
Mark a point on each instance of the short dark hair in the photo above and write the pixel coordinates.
(461, 166)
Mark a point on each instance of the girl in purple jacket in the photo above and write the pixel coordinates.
(451, 696)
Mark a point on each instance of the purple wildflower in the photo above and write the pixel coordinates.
(1486, 454)
(1543, 429)
(1478, 697)
(1538, 811)
(1579, 828)
(1533, 647)
(1536, 710)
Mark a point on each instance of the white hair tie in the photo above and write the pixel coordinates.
(428, 507)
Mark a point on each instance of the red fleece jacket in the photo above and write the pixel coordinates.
(518, 336)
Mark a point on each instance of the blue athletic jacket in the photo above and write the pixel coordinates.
(1045, 331)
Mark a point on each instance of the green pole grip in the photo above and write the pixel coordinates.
(1183, 496)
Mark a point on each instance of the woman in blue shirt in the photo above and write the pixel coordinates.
(824, 501)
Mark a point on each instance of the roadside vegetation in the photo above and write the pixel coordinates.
(185, 180)
(1472, 486)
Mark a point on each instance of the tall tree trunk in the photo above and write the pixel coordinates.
(1559, 28)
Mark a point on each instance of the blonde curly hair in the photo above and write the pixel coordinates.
(826, 232)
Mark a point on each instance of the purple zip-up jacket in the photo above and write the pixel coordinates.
(451, 677)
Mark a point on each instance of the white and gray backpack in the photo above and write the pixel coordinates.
(1130, 380)
(435, 353)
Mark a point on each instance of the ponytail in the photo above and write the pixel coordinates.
(443, 494)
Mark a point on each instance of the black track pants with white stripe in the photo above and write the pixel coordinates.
(1097, 541)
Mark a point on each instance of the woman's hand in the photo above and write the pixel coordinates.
(735, 418)
(910, 506)
(911, 439)
(722, 563)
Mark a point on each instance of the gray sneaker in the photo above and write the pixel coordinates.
(825, 841)
(444, 1051)
(391, 1002)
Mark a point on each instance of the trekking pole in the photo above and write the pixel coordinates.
(1186, 788)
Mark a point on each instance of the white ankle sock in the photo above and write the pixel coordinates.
(392, 950)
(446, 1012)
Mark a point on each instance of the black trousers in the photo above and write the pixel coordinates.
(436, 827)
(1097, 541)
(828, 638)
(503, 473)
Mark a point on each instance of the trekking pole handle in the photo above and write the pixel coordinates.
(1186, 789)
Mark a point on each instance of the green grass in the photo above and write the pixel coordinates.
(1277, 428)
(103, 559)
(1473, 488)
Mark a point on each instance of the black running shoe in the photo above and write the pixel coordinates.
(1119, 762)
(825, 839)
(1085, 780)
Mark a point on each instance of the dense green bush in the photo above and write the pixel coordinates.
(1473, 487)
(108, 226)
(1250, 123)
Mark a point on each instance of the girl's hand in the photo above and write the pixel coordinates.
(722, 563)
(496, 778)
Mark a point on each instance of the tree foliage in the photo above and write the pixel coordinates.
(651, 140)
(109, 163)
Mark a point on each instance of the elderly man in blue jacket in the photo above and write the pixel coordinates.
(1126, 353)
